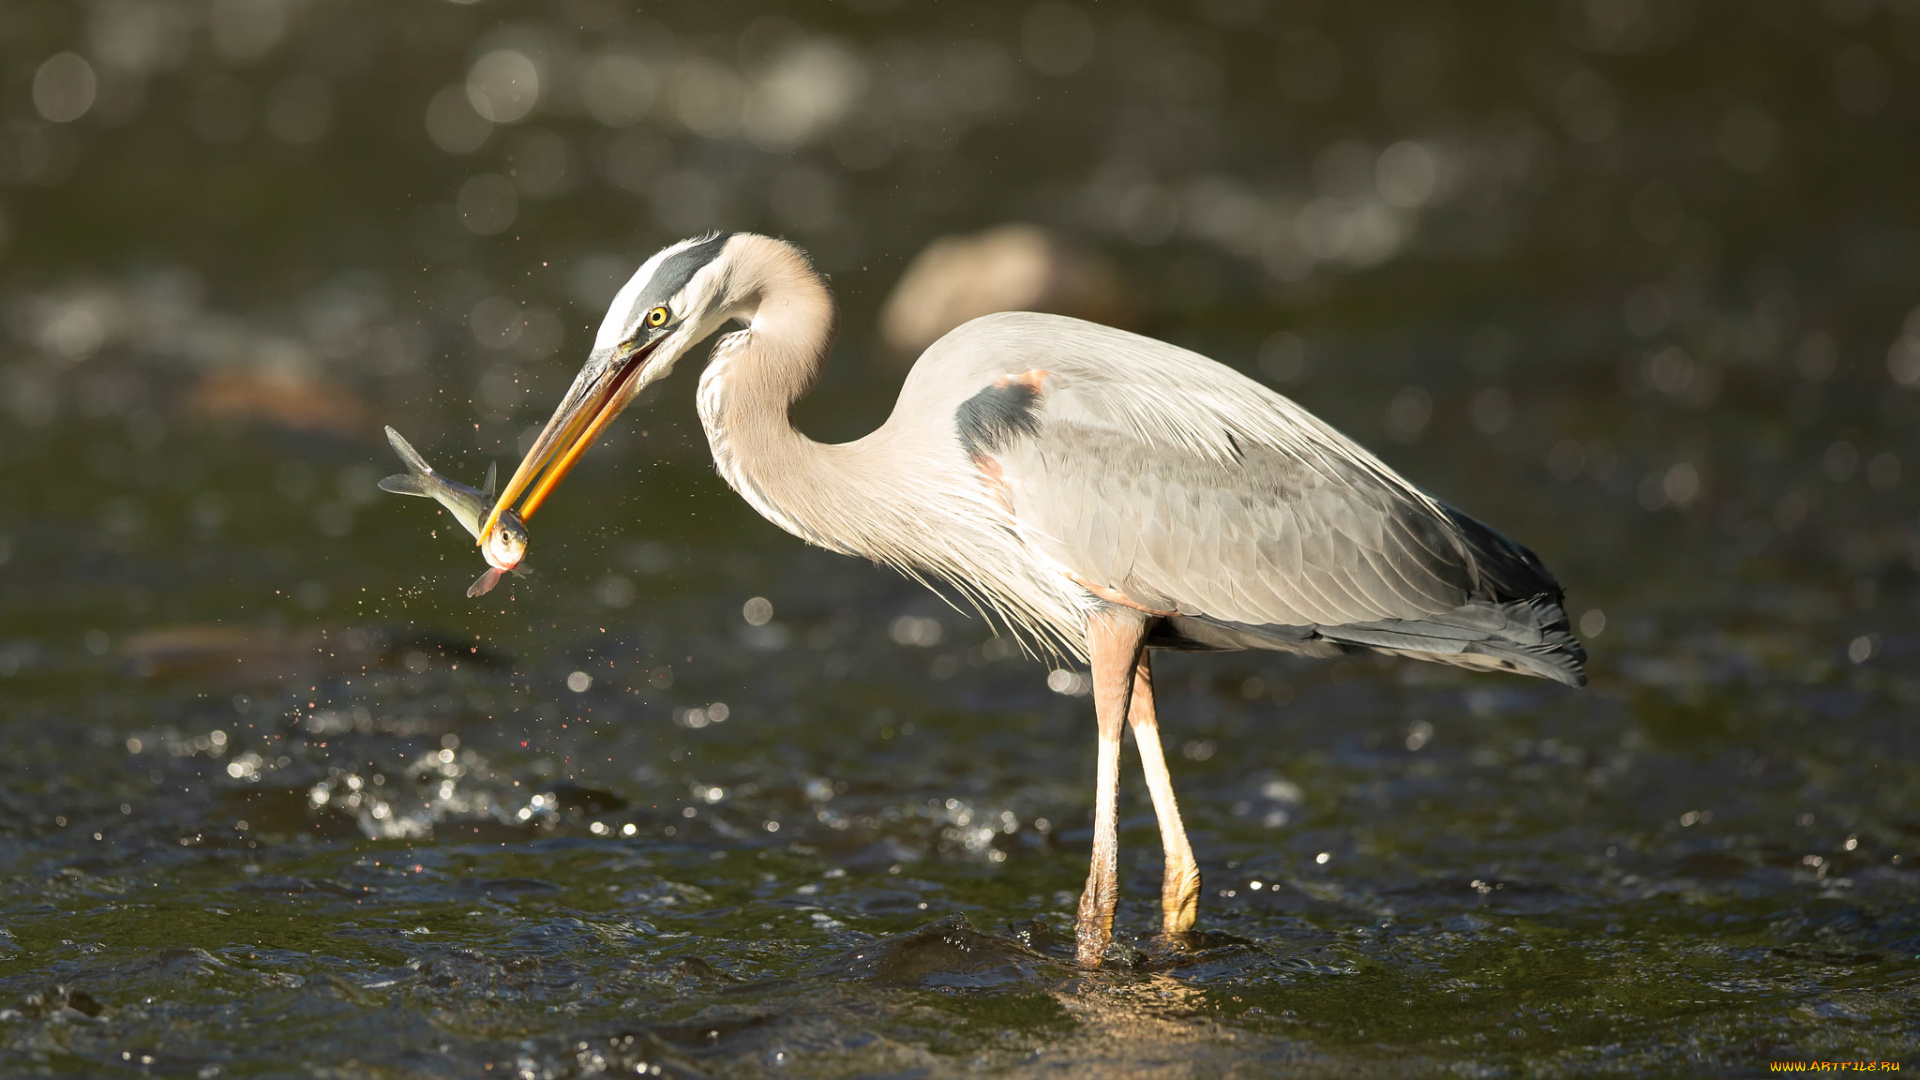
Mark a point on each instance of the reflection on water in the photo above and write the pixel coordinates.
(1633, 281)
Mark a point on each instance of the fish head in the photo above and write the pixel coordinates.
(506, 544)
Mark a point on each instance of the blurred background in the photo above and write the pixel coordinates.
(1635, 282)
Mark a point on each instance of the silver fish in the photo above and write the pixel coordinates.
(469, 506)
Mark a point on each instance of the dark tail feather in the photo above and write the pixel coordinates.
(1527, 637)
(1530, 637)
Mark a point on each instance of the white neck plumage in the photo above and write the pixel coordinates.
(905, 495)
(754, 378)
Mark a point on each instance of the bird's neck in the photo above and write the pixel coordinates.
(904, 495)
(749, 387)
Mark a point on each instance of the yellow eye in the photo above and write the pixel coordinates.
(657, 317)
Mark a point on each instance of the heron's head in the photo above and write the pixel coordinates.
(676, 299)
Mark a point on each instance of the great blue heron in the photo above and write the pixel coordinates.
(1102, 493)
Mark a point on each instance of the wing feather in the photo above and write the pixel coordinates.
(1193, 489)
(1181, 479)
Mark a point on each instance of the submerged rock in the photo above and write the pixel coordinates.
(951, 955)
(244, 395)
(1006, 268)
(238, 654)
(60, 1002)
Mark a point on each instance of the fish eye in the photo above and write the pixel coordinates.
(509, 542)
(657, 317)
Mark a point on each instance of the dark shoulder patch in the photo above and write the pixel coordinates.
(990, 419)
(679, 269)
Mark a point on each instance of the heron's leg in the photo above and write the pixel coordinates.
(1180, 887)
(1114, 637)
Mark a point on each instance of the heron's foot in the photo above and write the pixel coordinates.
(1093, 929)
(1180, 897)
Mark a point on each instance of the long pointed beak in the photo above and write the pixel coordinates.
(602, 389)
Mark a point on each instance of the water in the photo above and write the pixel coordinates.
(278, 799)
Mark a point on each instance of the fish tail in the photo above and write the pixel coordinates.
(415, 480)
(416, 464)
(404, 484)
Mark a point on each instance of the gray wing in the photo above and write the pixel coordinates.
(1262, 538)
(1162, 479)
